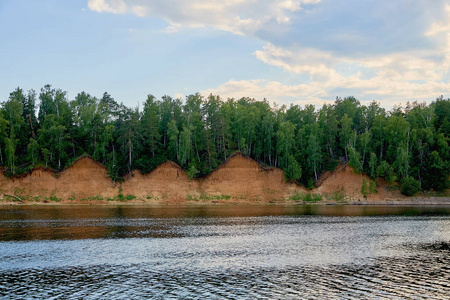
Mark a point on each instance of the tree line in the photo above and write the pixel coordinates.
(407, 144)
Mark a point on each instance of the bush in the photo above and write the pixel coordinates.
(410, 186)
(192, 171)
(364, 188)
(372, 187)
(386, 171)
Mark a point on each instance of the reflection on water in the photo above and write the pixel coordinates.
(224, 252)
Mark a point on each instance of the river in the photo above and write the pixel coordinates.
(224, 252)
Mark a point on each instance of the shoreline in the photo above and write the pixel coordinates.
(432, 201)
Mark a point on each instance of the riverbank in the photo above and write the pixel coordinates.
(240, 180)
(414, 201)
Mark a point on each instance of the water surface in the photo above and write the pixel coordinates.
(224, 252)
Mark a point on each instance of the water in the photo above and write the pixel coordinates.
(221, 252)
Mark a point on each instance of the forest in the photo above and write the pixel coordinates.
(408, 144)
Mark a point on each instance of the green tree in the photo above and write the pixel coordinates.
(33, 151)
(150, 124)
(364, 188)
(185, 146)
(286, 143)
(3, 125)
(11, 154)
(410, 186)
(314, 150)
(373, 163)
(346, 133)
(354, 159)
(173, 147)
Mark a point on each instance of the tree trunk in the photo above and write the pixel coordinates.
(31, 125)
(129, 147)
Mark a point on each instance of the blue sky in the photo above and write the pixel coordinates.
(288, 51)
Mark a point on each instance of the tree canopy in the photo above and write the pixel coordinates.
(410, 145)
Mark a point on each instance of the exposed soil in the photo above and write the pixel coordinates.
(238, 180)
(345, 182)
(167, 183)
(85, 179)
(243, 178)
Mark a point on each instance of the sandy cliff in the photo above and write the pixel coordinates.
(243, 178)
(168, 182)
(345, 181)
(239, 179)
(84, 179)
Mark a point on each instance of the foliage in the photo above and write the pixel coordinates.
(201, 132)
(306, 197)
(192, 171)
(364, 188)
(372, 187)
(410, 186)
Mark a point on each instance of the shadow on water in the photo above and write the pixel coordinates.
(83, 222)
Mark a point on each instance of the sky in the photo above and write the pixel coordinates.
(286, 51)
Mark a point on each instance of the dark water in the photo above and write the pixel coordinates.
(276, 252)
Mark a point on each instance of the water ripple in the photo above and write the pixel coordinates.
(421, 276)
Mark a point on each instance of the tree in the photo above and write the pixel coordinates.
(3, 125)
(11, 154)
(150, 124)
(364, 188)
(345, 133)
(373, 163)
(185, 146)
(294, 170)
(314, 151)
(397, 133)
(47, 105)
(364, 140)
(130, 136)
(354, 159)
(173, 147)
(410, 186)
(46, 154)
(286, 143)
(329, 125)
(33, 151)
(402, 162)
(53, 137)
(437, 173)
(58, 137)
(12, 110)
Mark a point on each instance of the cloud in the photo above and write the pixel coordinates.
(271, 90)
(243, 17)
(112, 6)
(388, 50)
(406, 73)
(318, 92)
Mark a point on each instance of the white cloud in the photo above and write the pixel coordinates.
(110, 6)
(243, 17)
(271, 90)
(405, 75)
(389, 60)
(318, 92)
(441, 26)
(179, 96)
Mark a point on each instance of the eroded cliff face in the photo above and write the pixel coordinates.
(243, 178)
(85, 179)
(38, 182)
(239, 179)
(167, 183)
(345, 182)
